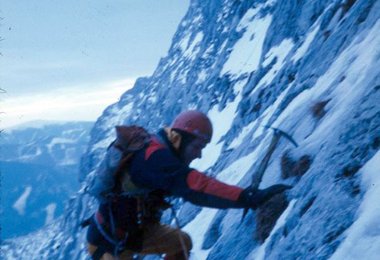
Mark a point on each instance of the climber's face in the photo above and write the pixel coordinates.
(193, 150)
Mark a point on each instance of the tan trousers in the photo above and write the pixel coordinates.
(158, 239)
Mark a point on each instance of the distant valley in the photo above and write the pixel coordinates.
(39, 166)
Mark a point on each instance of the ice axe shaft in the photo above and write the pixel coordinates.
(258, 175)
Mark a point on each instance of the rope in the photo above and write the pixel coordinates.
(184, 249)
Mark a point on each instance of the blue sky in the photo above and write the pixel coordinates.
(67, 60)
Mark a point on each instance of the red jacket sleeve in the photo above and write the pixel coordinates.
(200, 182)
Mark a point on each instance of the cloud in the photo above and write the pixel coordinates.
(73, 103)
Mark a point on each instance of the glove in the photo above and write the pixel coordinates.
(254, 198)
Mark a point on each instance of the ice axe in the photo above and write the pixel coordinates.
(258, 175)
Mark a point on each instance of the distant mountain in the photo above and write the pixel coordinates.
(46, 143)
(39, 167)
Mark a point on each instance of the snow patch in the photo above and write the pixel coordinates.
(59, 141)
(244, 132)
(20, 203)
(280, 52)
(26, 157)
(305, 45)
(202, 75)
(197, 230)
(358, 64)
(238, 169)
(70, 157)
(50, 209)
(363, 237)
(246, 53)
(184, 43)
(222, 121)
(190, 51)
(268, 113)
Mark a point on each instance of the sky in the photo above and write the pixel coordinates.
(68, 60)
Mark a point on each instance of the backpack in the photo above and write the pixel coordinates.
(111, 177)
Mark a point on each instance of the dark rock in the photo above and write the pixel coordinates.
(293, 168)
(350, 170)
(268, 214)
(307, 206)
(375, 142)
(346, 5)
(214, 232)
(318, 109)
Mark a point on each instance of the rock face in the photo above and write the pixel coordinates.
(307, 67)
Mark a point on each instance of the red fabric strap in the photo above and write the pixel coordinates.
(153, 146)
(202, 183)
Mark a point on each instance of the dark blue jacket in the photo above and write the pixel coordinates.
(158, 167)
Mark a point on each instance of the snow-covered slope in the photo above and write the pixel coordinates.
(310, 68)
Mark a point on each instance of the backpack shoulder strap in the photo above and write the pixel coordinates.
(130, 139)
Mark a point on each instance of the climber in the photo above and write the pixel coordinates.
(130, 223)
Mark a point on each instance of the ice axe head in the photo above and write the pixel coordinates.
(282, 133)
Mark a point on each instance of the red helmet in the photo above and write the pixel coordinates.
(195, 123)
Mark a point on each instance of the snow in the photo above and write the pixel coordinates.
(116, 119)
(123, 113)
(70, 157)
(197, 230)
(202, 75)
(246, 53)
(221, 121)
(182, 77)
(190, 51)
(238, 169)
(244, 132)
(59, 140)
(31, 156)
(357, 73)
(363, 237)
(262, 120)
(305, 45)
(184, 43)
(268, 113)
(50, 209)
(280, 51)
(102, 144)
(20, 203)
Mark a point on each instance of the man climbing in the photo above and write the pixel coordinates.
(130, 222)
